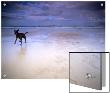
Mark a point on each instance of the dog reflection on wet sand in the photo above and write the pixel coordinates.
(19, 36)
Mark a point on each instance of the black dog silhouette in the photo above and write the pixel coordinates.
(20, 36)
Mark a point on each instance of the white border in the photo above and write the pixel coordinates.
(48, 85)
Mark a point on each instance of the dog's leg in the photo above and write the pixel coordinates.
(15, 41)
(21, 41)
(25, 39)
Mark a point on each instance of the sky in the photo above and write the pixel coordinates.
(53, 13)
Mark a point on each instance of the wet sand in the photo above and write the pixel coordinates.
(46, 53)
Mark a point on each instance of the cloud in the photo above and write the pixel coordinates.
(12, 16)
(64, 11)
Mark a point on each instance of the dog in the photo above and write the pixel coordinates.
(20, 36)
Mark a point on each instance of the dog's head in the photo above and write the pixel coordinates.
(16, 31)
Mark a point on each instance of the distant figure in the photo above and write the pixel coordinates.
(20, 36)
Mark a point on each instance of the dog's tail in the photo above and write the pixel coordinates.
(25, 32)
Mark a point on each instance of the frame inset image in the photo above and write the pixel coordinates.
(87, 69)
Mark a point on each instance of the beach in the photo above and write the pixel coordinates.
(46, 53)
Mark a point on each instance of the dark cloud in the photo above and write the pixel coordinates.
(58, 11)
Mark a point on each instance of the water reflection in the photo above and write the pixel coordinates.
(21, 55)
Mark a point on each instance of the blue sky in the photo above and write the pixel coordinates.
(63, 13)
